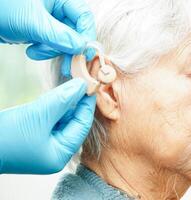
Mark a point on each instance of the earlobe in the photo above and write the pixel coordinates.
(107, 102)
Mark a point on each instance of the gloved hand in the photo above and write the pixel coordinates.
(54, 27)
(41, 137)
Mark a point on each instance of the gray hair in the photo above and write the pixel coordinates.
(134, 34)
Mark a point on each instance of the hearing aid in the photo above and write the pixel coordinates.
(79, 69)
(106, 73)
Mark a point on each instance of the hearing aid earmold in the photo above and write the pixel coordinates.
(106, 73)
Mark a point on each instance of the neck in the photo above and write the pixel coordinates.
(138, 177)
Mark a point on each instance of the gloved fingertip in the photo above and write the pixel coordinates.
(66, 66)
(41, 52)
(90, 102)
(79, 87)
(30, 53)
(76, 86)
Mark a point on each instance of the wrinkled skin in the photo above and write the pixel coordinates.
(159, 105)
(150, 142)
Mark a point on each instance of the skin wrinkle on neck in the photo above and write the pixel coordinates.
(132, 190)
(145, 183)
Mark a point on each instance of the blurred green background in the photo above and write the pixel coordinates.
(20, 77)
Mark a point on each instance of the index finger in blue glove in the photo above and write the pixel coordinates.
(53, 105)
(66, 66)
(78, 15)
(43, 52)
(76, 131)
(58, 35)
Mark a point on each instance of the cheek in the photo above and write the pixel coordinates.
(172, 106)
(157, 117)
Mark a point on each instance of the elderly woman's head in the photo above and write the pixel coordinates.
(146, 112)
(144, 116)
(147, 109)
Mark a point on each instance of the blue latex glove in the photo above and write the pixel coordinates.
(54, 27)
(41, 137)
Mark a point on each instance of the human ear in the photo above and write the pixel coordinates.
(105, 74)
(107, 101)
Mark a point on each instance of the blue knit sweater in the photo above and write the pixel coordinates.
(86, 185)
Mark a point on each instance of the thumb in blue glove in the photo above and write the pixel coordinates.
(31, 140)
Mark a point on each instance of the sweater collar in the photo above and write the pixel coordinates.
(100, 185)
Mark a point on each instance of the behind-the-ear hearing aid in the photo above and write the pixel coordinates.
(106, 73)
